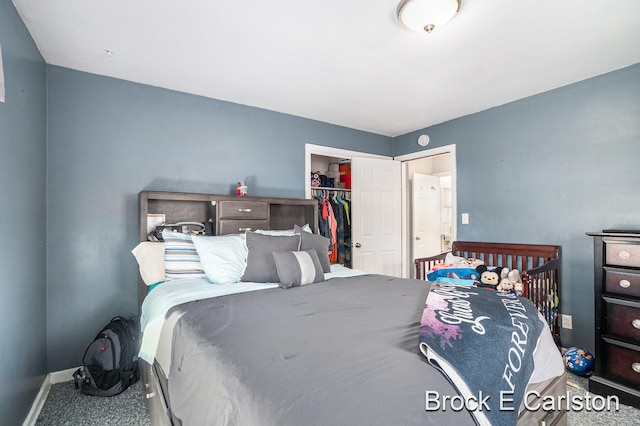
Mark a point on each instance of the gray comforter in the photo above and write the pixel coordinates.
(344, 351)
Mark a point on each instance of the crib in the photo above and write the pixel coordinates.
(540, 266)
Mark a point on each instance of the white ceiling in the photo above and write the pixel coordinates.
(346, 62)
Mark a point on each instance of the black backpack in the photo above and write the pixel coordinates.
(110, 363)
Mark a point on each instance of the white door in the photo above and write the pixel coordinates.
(376, 215)
(425, 215)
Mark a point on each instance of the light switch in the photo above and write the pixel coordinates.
(465, 218)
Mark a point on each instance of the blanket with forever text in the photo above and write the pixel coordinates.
(483, 341)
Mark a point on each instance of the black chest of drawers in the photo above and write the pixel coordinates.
(617, 315)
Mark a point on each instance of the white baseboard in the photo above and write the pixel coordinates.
(41, 397)
(62, 376)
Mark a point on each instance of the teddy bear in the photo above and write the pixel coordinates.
(518, 286)
(510, 282)
(505, 284)
(489, 278)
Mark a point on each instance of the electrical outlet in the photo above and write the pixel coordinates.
(567, 322)
(465, 218)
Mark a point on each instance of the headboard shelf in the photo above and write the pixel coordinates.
(279, 213)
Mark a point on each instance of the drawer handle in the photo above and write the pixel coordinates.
(244, 210)
(636, 367)
(625, 283)
(636, 323)
(244, 229)
(624, 255)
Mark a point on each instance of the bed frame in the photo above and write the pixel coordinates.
(540, 266)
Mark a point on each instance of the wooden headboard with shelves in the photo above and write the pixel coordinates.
(229, 214)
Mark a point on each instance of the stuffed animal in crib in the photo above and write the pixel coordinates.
(510, 282)
(518, 286)
(489, 277)
(505, 286)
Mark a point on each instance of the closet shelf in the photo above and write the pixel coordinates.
(325, 188)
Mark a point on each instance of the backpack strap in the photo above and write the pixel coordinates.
(78, 376)
(130, 377)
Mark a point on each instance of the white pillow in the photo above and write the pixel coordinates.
(150, 258)
(462, 261)
(275, 232)
(306, 228)
(223, 257)
(284, 232)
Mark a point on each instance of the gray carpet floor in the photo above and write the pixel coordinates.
(625, 416)
(65, 405)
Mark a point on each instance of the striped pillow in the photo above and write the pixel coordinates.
(181, 259)
(296, 268)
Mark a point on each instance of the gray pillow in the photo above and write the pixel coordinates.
(296, 268)
(317, 242)
(261, 268)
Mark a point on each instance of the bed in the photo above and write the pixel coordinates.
(346, 348)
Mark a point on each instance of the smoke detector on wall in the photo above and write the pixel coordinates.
(423, 140)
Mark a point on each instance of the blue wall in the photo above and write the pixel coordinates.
(22, 214)
(547, 169)
(109, 139)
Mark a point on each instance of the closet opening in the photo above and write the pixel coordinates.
(328, 179)
(331, 187)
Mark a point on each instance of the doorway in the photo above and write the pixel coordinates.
(424, 221)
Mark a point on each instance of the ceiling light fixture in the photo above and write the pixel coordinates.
(426, 15)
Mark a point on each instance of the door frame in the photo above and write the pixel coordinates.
(327, 151)
(407, 263)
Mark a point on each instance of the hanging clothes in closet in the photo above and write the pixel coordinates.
(334, 222)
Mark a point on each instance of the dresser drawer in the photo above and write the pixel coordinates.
(241, 226)
(622, 364)
(623, 318)
(622, 253)
(621, 281)
(243, 210)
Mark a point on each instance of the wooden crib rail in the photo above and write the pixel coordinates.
(513, 256)
(425, 264)
(542, 287)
